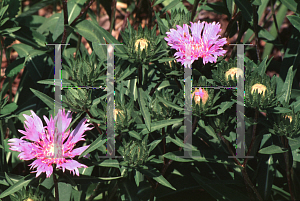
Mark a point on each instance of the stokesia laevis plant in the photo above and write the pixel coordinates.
(40, 144)
(204, 42)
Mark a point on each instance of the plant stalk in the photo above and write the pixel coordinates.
(65, 8)
(113, 13)
(287, 166)
(55, 184)
(84, 10)
(253, 136)
(196, 2)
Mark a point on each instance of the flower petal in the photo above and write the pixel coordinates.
(71, 165)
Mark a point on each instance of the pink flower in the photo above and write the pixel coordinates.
(40, 144)
(204, 42)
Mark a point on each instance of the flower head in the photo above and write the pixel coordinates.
(40, 144)
(233, 72)
(259, 87)
(143, 44)
(204, 42)
(200, 94)
(289, 117)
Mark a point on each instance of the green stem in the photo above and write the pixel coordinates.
(255, 23)
(196, 2)
(84, 10)
(3, 158)
(287, 166)
(250, 184)
(112, 20)
(55, 184)
(153, 90)
(253, 136)
(140, 75)
(65, 8)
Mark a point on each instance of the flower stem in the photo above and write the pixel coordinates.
(255, 23)
(65, 8)
(55, 184)
(153, 90)
(140, 74)
(287, 166)
(194, 9)
(253, 136)
(82, 12)
(113, 13)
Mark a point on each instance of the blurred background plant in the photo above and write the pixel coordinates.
(149, 98)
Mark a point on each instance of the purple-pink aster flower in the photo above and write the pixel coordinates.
(40, 144)
(204, 42)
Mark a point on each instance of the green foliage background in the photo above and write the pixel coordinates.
(149, 96)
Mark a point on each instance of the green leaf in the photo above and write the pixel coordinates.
(246, 9)
(173, 3)
(14, 7)
(290, 4)
(128, 188)
(110, 163)
(74, 8)
(22, 49)
(30, 37)
(64, 191)
(9, 108)
(95, 145)
(135, 135)
(93, 33)
(8, 179)
(202, 156)
(210, 131)
(46, 99)
(218, 190)
(51, 82)
(144, 110)
(262, 67)
(295, 20)
(170, 104)
(36, 7)
(281, 192)
(161, 124)
(175, 157)
(2, 11)
(296, 105)
(86, 171)
(273, 149)
(287, 87)
(49, 24)
(14, 68)
(256, 2)
(17, 186)
(158, 2)
(224, 106)
(163, 29)
(156, 175)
